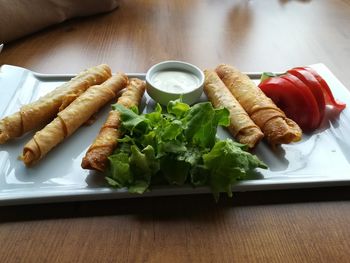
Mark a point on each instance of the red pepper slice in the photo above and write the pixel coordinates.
(293, 100)
(328, 96)
(315, 87)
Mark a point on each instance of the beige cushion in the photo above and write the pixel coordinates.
(22, 17)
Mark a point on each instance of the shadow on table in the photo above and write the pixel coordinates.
(197, 207)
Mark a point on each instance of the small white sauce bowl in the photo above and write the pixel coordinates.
(164, 96)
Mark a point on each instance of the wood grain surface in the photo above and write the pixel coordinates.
(310, 225)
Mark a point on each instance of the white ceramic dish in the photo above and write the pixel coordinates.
(320, 159)
(179, 72)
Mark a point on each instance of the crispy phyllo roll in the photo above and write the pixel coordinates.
(71, 118)
(242, 128)
(276, 127)
(38, 113)
(96, 157)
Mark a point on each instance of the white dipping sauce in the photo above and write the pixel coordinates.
(175, 81)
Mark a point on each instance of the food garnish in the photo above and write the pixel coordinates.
(178, 146)
(302, 94)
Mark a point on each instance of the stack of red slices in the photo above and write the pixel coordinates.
(302, 94)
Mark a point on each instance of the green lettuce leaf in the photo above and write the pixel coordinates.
(178, 146)
(119, 170)
(131, 121)
(228, 162)
(143, 165)
(202, 121)
(175, 171)
(178, 108)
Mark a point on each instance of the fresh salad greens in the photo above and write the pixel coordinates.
(178, 146)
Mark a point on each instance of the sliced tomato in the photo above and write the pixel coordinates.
(301, 87)
(293, 100)
(327, 93)
(313, 106)
(313, 86)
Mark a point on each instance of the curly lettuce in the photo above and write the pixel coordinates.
(178, 146)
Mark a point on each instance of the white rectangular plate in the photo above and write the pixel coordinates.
(320, 159)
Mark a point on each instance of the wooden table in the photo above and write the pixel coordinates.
(310, 225)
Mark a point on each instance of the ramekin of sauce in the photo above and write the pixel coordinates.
(170, 80)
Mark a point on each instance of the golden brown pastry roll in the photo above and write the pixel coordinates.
(241, 126)
(96, 157)
(276, 127)
(71, 118)
(40, 112)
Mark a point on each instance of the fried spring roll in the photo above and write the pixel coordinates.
(40, 112)
(241, 126)
(276, 127)
(71, 118)
(96, 157)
